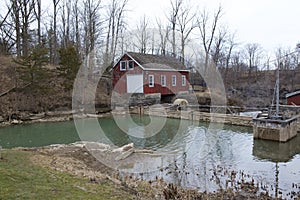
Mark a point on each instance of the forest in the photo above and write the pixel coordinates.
(42, 46)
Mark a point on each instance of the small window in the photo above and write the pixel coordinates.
(183, 79)
(130, 64)
(151, 80)
(173, 80)
(163, 80)
(123, 65)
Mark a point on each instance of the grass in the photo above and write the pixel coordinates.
(20, 179)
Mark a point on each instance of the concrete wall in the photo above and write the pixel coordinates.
(273, 129)
(198, 116)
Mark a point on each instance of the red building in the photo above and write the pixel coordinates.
(293, 98)
(147, 74)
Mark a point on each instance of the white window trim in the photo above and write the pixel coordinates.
(121, 69)
(173, 80)
(129, 61)
(183, 79)
(163, 80)
(151, 84)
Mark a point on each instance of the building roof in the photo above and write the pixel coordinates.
(157, 62)
(292, 94)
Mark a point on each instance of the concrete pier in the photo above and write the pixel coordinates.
(275, 129)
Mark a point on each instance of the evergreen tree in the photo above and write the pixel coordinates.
(69, 65)
(31, 69)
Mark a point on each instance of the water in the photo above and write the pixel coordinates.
(200, 155)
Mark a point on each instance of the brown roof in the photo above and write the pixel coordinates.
(157, 62)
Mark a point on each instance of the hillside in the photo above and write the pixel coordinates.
(258, 90)
(18, 98)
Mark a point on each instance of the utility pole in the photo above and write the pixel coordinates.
(277, 91)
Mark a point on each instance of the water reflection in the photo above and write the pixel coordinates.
(276, 151)
(188, 153)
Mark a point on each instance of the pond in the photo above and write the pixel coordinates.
(202, 155)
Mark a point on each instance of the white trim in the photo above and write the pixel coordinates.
(149, 69)
(134, 60)
(124, 61)
(151, 84)
(163, 83)
(129, 61)
(183, 80)
(174, 80)
(156, 69)
(292, 94)
(166, 70)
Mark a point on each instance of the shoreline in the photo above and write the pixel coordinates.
(76, 159)
(60, 116)
(51, 117)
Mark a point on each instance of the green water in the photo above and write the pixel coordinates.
(42, 134)
(38, 134)
(231, 147)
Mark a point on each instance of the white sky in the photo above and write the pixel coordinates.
(271, 23)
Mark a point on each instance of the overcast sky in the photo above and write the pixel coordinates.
(271, 23)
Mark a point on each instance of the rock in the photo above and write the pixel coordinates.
(2, 119)
(124, 155)
(96, 146)
(14, 121)
(145, 151)
(37, 116)
(124, 148)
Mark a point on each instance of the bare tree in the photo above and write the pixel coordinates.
(218, 47)
(172, 18)
(253, 53)
(16, 24)
(228, 56)
(92, 24)
(22, 15)
(116, 13)
(186, 24)
(38, 15)
(54, 59)
(142, 35)
(283, 58)
(27, 12)
(76, 17)
(207, 33)
(65, 18)
(164, 36)
(7, 38)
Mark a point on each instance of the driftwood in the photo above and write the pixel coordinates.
(12, 89)
(7, 91)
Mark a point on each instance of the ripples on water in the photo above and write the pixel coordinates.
(198, 152)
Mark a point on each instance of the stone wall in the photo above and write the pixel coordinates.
(197, 116)
(134, 99)
(290, 111)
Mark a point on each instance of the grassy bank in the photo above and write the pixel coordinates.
(61, 173)
(20, 179)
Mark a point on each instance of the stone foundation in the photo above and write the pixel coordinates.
(276, 130)
(134, 99)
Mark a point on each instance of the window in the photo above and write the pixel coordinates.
(123, 65)
(173, 80)
(151, 80)
(130, 64)
(163, 80)
(183, 79)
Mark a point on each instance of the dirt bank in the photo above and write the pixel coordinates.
(77, 160)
